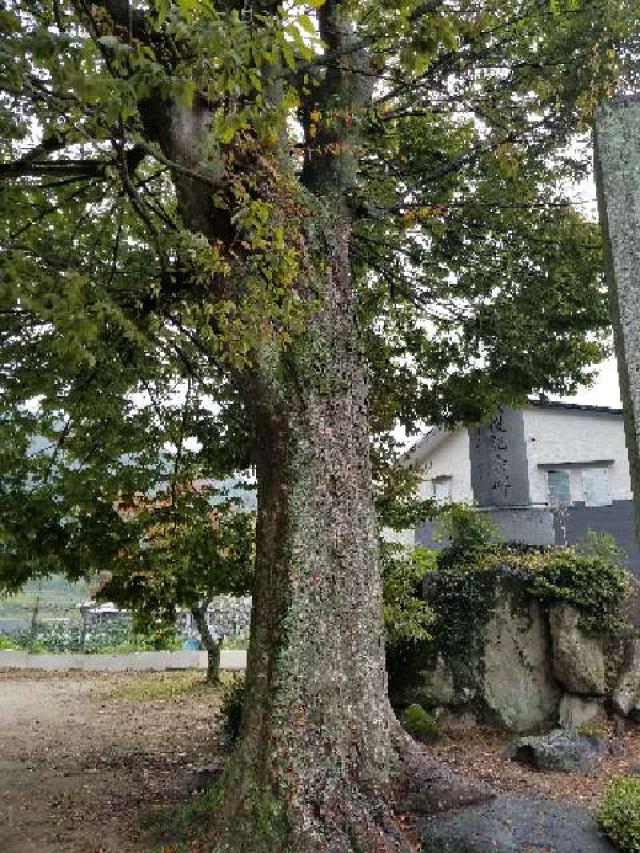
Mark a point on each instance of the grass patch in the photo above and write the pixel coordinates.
(176, 827)
(146, 688)
(229, 644)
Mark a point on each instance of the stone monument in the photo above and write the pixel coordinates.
(617, 164)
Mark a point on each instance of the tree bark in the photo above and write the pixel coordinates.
(199, 613)
(312, 767)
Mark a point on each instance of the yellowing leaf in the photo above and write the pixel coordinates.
(307, 24)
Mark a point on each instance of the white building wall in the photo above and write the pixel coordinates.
(557, 436)
(406, 537)
(449, 459)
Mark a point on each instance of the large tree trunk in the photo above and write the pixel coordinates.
(312, 766)
(312, 770)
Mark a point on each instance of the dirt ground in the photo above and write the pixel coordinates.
(480, 753)
(84, 757)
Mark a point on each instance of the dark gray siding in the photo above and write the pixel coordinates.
(531, 526)
(424, 536)
(617, 519)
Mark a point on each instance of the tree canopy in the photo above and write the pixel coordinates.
(248, 199)
(477, 280)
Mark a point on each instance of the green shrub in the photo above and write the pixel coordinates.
(233, 696)
(619, 813)
(598, 588)
(407, 616)
(467, 535)
(601, 544)
(113, 637)
(420, 724)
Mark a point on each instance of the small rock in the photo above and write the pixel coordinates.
(578, 711)
(436, 685)
(452, 721)
(206, 777)
(562, 750)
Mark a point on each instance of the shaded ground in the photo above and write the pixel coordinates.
(84, 756)
(479, 753)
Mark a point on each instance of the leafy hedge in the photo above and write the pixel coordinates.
(588, 576)
(114, 636)
(597, 588)
(619, 813)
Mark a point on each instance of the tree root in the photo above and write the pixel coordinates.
(355, 825)
(427, 787)
(343, 816)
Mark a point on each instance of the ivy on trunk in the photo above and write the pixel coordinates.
(330, 219)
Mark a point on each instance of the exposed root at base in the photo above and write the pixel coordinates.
(427, 787)
(338, 822)
(343, 818)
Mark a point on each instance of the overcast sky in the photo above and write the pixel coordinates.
(605, 390)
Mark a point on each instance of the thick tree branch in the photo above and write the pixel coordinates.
(78, 168)
(123, 14)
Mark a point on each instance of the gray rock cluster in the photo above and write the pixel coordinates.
(531, 667)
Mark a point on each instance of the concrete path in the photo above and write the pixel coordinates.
(136, 661)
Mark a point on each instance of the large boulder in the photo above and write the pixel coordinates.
(626, 696)
(513, 825)
(578, 658)
(519, 689)
(562, 750)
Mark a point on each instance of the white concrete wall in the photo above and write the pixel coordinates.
(136, 661)
(557, 436)
(449, 459)
(401, 537)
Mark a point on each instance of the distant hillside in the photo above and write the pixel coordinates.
(57, 599)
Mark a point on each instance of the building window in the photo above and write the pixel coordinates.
(595, 484)
(559, 488)
(441, 490)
